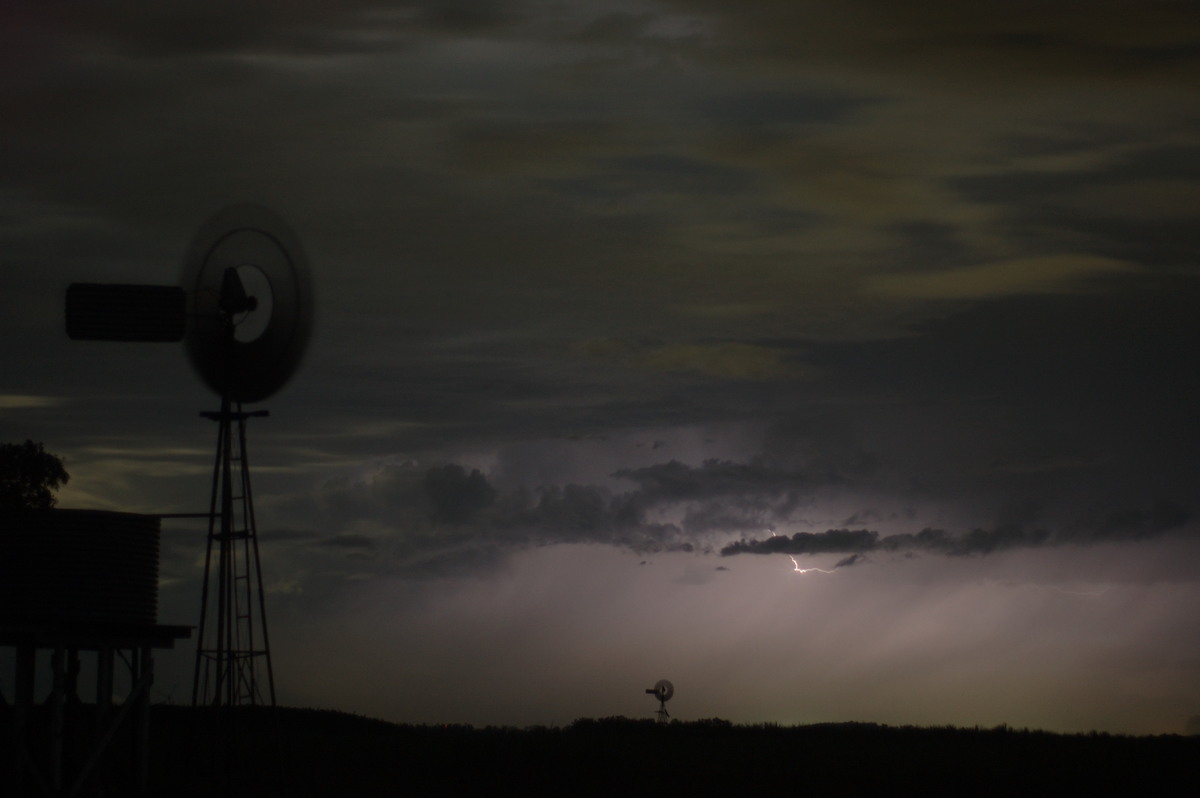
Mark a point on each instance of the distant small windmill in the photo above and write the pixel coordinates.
(662, 690)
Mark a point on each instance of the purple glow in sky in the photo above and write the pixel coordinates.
(622, 306)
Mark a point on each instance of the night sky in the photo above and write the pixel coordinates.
(632, 312)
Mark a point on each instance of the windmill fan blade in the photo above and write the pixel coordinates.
(237, 237)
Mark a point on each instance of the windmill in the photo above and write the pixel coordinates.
(662, 690)
(244, 313)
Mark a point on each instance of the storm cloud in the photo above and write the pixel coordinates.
(417, 516)
(1118, 525)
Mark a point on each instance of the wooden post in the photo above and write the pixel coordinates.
(58, 695)
(22, 705)
(142, 719)
(104, 689)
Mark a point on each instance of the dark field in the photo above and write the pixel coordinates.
(308, 752)
(294, 752)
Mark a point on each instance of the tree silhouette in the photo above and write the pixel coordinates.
(29, 476)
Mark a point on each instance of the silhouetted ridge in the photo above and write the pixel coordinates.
(322, 753)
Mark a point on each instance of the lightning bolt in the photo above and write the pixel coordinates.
(800, 570)
(796, 566)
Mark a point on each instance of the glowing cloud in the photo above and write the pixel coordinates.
(1038, 275)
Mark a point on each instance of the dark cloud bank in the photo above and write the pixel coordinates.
(442, 519)
(1121, 525)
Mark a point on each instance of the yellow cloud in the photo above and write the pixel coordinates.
(1041, 275)
(1144, 200)
(731, 310)
(16, 401)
